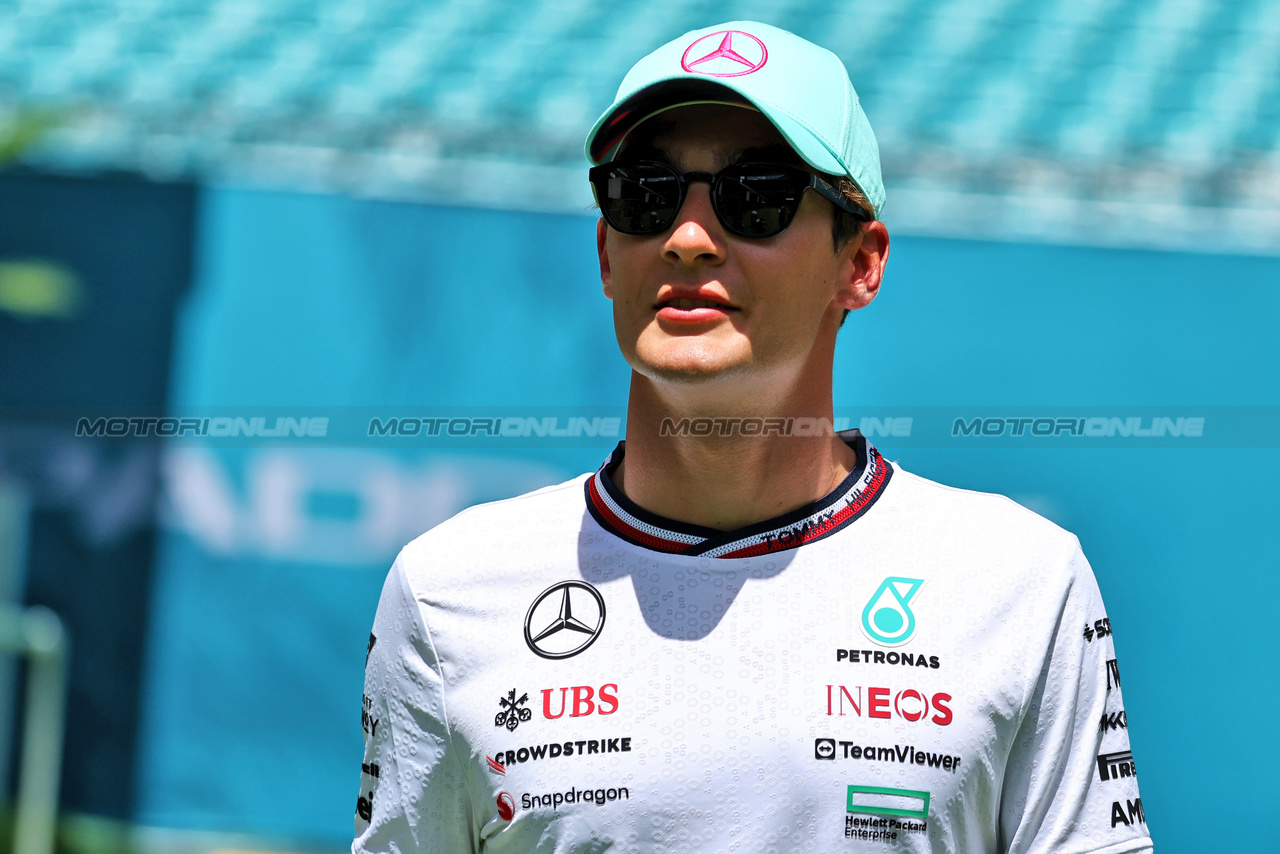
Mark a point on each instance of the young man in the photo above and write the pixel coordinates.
(745, 633)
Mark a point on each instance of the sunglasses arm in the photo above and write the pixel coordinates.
(837, 198)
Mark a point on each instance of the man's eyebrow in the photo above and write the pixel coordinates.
(645, 151)
(777, 152)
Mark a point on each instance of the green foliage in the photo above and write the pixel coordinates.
(76, 834)
(22, 131)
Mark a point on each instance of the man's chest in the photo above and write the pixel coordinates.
(861, 703)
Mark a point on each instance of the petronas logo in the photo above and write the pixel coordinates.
(888, 619)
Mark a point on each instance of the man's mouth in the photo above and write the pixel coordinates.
(693, 303)
(693, 307)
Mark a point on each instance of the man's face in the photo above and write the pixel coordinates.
(697, 304)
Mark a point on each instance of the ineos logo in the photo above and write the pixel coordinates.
(564, 619)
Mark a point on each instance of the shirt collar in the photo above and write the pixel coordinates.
(842, 506)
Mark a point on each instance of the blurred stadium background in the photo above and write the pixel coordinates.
(356, 208)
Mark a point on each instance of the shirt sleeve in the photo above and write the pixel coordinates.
(413, 791)
(1070, 785)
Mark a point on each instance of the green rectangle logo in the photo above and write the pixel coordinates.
(870, 804)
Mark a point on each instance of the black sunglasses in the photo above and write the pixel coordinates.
(749, 199)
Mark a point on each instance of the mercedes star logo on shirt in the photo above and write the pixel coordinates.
(564, 620)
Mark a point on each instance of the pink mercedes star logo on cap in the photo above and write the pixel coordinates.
(725, 61)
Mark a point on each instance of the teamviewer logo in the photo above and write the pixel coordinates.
(824, 748)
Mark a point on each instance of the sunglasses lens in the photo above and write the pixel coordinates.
(638, 198)
(758, 199)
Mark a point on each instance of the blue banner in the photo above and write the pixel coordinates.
(275, 549)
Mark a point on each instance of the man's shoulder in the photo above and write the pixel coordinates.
(968, 513)
(500, 528)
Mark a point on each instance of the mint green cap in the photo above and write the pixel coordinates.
(800, 87)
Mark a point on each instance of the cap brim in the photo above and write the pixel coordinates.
(625, 115)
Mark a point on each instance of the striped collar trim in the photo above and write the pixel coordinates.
(856, 493)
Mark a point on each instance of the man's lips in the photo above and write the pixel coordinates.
(694, 303)
(693, 309)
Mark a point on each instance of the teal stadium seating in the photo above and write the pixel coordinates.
(1002, 111)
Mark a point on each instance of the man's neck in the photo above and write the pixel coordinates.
(727, 480)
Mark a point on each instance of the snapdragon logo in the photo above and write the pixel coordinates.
(574, 796)
(887, 618)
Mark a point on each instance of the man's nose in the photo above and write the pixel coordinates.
(697, 235)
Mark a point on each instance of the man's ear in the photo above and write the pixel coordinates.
(606, 274)
(862, 262)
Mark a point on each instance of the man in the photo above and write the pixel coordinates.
(744, 632)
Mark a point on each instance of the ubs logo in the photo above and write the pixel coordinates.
(564, 620)
(513, 711)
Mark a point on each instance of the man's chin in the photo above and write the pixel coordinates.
(689, 368)
(672, 376)
(714, 355)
